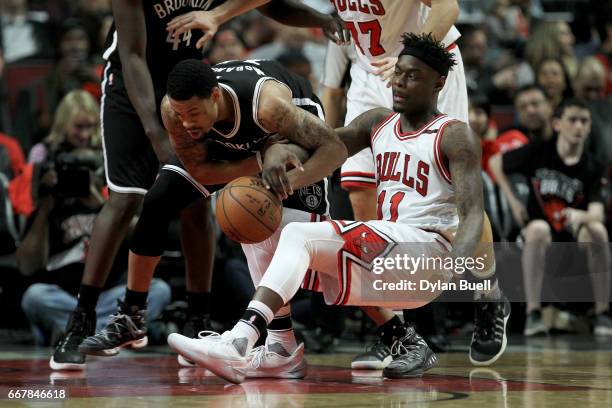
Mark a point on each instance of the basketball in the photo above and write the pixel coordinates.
(247, 212)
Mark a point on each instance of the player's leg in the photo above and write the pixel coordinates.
(537, 237)
(281, 356)
(299, 249)
(598, 253)
(168, 196)
(130, 165)
(198, 241)
(492, 308)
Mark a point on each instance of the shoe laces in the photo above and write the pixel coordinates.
(406, 345)
(257, 356)
(118, 322)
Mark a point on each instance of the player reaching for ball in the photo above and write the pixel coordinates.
(222, 121)
(428, 172)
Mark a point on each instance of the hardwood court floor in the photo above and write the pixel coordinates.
(554, 372)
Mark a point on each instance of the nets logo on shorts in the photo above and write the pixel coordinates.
(311, 196)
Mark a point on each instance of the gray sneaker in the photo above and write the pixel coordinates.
(534, 325)
(411, 356)
(603, 325)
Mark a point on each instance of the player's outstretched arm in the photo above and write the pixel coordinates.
(130, 23)
(461, 149)
(297, 14)
(356, 135)
(277, 113)
(194, 154)
(209, 21)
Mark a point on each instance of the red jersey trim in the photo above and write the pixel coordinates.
(358, 184)
(444, 172)
(376, 129)
(418, 132)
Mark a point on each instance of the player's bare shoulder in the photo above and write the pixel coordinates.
(459, 142)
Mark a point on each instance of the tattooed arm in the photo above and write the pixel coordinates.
(277, 113)
(461, 150)
(194, 154)
(356, 135)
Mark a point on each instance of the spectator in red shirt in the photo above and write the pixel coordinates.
(534, 120)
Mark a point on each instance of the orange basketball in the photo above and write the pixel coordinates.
(247, 212)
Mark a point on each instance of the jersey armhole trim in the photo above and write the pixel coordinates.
(378, 127)
(439, 157)
(234, 130)
(256, 95)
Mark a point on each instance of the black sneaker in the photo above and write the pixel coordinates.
(125, 328)
(195, 325)
(376, 357)
(489, 338)
(67, 356)
(411, 356)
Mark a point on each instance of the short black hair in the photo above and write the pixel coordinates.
(570, 103)
(527, 88)
(292, 57)
(426, 48)
(189, 78)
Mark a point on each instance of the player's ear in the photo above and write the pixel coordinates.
(439, 84)
(556, 124)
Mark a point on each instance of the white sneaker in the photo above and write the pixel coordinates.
(215, 352)
(183, 362)
(265, 363)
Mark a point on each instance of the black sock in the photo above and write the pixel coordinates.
(198, 303)
(255, 319)
(391, 331)
(281, 323)
(88, 297)
(136, 298)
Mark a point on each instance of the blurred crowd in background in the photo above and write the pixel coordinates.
(51, 59)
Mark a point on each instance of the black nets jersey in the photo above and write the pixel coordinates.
(163, 51)
(243, 80)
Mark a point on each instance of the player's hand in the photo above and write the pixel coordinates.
(162, 147)
(336, 30)
(274, 169)
(195, 20)
(385, 66)
(519, 212)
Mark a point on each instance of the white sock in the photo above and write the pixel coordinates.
(255, 319)
(280, 330)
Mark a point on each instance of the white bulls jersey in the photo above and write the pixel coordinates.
(377, 25)
(413, 184)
